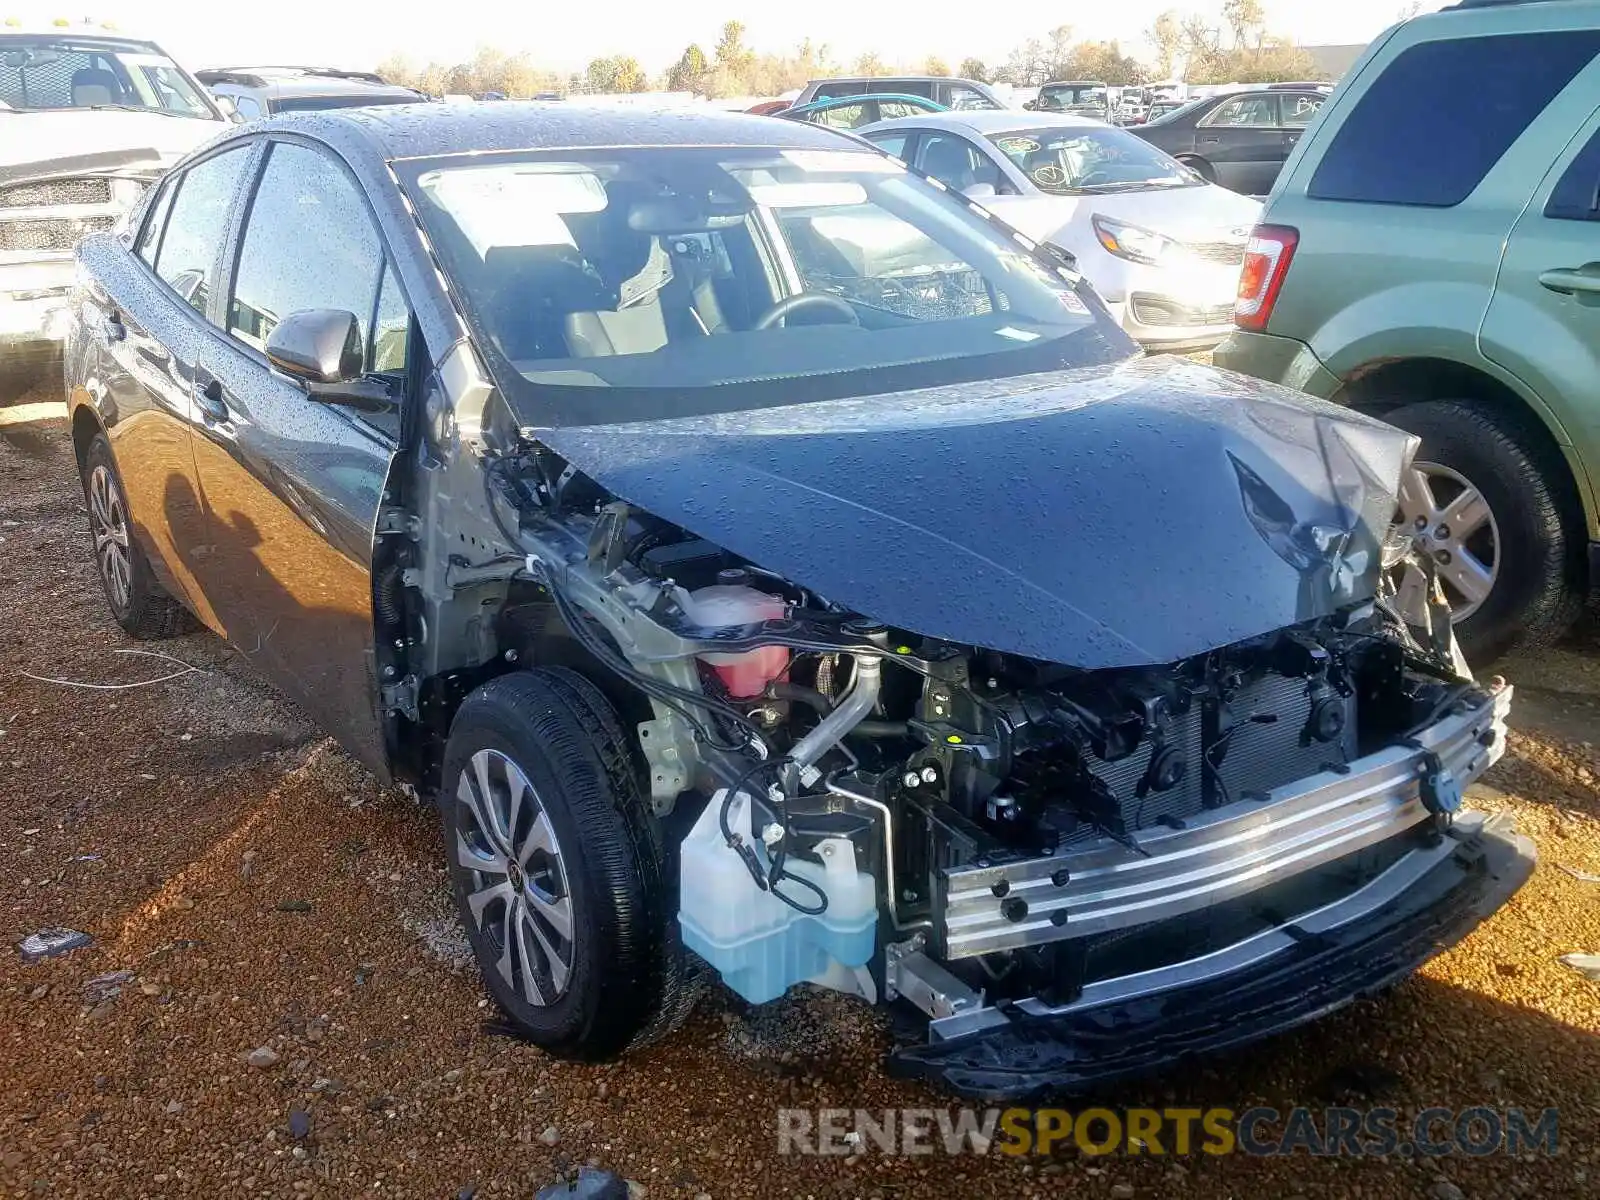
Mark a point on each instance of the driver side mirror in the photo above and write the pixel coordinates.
(979, 191)
(321, 349)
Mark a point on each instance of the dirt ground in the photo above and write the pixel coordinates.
(264, 893)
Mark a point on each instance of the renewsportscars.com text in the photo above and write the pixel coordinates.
(1324, 1132)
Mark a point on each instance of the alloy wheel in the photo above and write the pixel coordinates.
(1448, 520)
(519, 896)
(108, 520)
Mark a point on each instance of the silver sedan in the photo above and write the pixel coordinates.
(1161, 245)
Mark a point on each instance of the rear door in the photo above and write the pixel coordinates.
(1296, 110)
(1243, 140)
(1543, 322)
(151, 325)
(293, 486)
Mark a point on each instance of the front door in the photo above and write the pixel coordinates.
(1243, 141)
(292, 486)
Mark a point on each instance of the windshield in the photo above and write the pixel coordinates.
(1091, 159)
(69, 72)
(612, 286)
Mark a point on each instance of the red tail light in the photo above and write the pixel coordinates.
(1266, 262)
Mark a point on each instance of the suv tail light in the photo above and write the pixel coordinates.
(1266, 262)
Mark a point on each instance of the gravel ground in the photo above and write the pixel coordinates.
(266, 896)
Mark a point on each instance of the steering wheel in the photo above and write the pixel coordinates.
(779, 312)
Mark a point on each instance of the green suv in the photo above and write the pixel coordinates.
(1431, 254)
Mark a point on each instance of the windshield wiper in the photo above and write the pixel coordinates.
(1102, 189)
(165, 112)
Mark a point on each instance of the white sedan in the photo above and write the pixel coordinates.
(1161, 245)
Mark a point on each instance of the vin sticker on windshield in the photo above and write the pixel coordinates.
(854, 161)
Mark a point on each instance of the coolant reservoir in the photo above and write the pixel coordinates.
(759, 944)
(725, 605)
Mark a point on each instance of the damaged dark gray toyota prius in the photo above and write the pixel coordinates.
(774, 566)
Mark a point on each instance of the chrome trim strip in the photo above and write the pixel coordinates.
(1236, 850)
(1381, 891)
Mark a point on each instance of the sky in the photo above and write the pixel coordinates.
(566, 35)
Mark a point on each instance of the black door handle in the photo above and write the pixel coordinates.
(211, 402)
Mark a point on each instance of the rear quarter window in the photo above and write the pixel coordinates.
(1399, 146)
(1577, 196)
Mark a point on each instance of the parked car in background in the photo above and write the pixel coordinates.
(87, 120)
(769, 108)
(1161, 245)
(952, 93)
(1078, 98)
(852, 112)
(1160, 108)
(1241, 139)
(1442, 274)
(606, 515)
(256, 92)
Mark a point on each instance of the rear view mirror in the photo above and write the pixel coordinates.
(322, 349)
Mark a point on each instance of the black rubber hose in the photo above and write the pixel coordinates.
(782, 689)
(800, 694)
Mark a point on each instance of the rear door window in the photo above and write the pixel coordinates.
(187, 259)
(1249, 112)
(963, 98)
(1392, 149)
(827, 91)
(1298, 110)
(150, 236)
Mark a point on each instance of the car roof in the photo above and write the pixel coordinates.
(990, 120)
(889, 75)
(297, 81)
(426, 130)
(79, 33)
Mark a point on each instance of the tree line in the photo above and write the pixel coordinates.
(1238, 47)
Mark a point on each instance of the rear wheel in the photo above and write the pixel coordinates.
(1484, 503)
(559, 870)
(138, 601)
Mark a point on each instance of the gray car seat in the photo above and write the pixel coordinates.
(94, 86)
(949, 161)
(634, 269)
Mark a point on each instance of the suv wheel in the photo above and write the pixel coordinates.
(558, 868)
(138, 601)
(1483, 503)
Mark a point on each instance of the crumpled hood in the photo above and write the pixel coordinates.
(30, 142)
(1111, 517)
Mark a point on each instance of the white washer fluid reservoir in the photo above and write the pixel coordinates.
(760, 945)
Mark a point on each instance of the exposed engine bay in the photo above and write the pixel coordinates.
(900, 816)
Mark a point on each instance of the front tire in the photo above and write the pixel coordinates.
(138, 601)
(1487, 504)
(558, 868)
